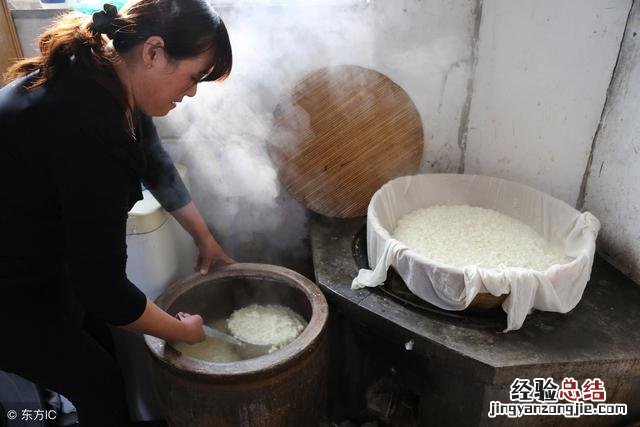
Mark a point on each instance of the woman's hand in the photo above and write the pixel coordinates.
(210, 253)
(193, 332)
(157, 322)
(209, 250)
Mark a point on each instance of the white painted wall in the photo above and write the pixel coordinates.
(613, 184)
(540, 84)
(426, 47)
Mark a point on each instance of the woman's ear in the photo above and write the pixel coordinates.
(152, 51)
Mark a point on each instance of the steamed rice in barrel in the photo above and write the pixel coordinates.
(273, 325)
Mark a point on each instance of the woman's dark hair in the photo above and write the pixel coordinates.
(188, 28)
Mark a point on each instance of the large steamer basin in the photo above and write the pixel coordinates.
(284, 388)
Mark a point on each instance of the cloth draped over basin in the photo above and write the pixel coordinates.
(558, 289)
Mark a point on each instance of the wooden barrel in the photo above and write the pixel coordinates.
(284, 388)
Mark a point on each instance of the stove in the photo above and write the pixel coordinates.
(457, 363)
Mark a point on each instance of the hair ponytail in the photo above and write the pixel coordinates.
(72, 35)
(188, 28)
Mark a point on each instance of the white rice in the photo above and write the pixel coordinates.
(273, 325)
(462, 236)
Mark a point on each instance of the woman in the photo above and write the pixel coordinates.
(76, 142)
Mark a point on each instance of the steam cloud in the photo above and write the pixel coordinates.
(224, 130)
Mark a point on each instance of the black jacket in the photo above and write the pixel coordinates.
(70, 170)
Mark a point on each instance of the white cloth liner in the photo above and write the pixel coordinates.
(558, 289)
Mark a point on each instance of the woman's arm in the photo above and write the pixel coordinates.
(164, 182)
(161, 176)
(210, 251)
(154, 321)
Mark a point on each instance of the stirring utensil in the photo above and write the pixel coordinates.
(214, 333)
(246, 350)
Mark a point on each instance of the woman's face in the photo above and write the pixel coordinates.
(160, 83)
